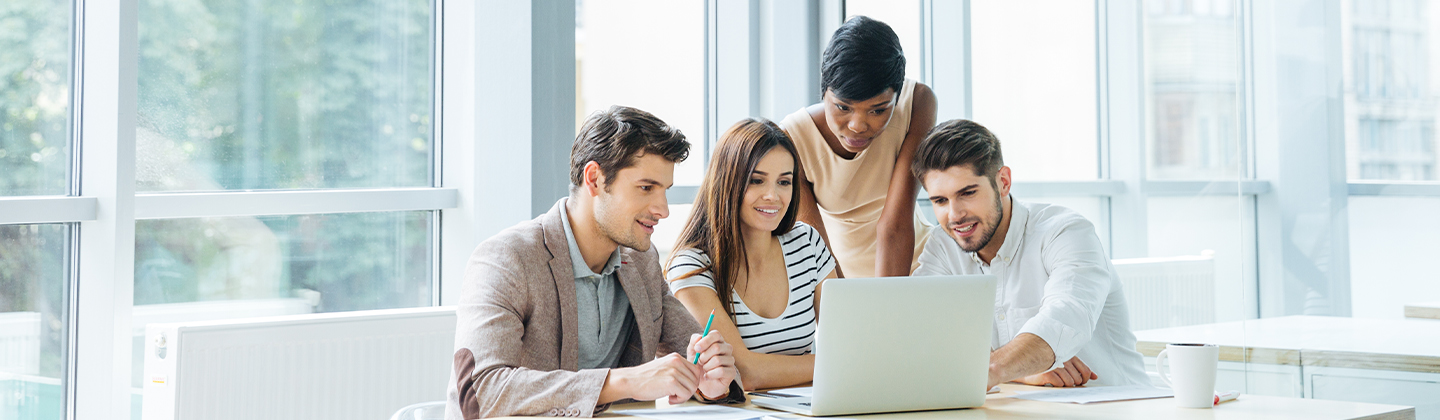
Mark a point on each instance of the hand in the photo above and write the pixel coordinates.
(670, 376)
(717, 361)
(1073, 373)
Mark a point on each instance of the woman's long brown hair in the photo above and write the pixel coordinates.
(715, 227)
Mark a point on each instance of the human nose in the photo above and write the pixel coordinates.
(858, 125)
(662, 208)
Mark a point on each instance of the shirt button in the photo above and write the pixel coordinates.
(1000, 317)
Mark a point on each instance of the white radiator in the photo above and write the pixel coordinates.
(1168, 292)
(20, 342)
(350, 365)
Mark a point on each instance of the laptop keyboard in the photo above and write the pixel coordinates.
(805, 404)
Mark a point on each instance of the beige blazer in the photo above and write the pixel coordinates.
(516, 340)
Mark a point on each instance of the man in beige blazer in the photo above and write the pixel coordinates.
(539, 332)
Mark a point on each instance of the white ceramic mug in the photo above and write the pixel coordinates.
(1192, 373)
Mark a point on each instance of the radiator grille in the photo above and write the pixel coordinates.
(352, 366)
(1168, 292)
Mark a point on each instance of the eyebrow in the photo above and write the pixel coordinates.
(853, 104)
(764, 173)
(957, 192)
(654, 182)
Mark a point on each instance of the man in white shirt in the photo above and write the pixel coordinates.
(1060, 314)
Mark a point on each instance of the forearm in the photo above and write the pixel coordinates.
(1026, 355)
(895, 247)
(525, 392)
(765, 371)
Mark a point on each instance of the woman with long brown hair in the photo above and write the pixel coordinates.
(743, 252)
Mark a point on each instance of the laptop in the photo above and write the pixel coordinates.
(899, 344)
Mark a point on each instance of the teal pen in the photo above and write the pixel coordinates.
(703, 334)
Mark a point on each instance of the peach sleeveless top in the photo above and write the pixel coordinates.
(851, 192)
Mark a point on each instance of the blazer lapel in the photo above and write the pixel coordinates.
(564, 275)
(633, 281)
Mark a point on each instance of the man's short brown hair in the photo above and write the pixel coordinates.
(958, 142)
(613, 138)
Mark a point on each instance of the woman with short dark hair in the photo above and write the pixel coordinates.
(856, 146)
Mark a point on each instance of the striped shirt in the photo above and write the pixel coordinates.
(807, 262)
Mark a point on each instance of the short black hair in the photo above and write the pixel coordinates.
(863, 59)
(613, 138)
(955, 143)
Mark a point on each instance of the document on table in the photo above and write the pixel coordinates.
(810, 391)
(1096, 394)
(709, 412)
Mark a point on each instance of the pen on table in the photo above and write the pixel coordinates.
(1226, 396)
(703, 334)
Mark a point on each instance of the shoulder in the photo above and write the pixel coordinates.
(524, 242)
(1051, 221)
(685, 262)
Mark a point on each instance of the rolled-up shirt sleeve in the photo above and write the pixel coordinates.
(1075, 292)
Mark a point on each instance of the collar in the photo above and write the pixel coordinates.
(578, 260)
(1014, 236)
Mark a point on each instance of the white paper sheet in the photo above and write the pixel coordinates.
(709, 412)
(810, 391)
(1088, 395)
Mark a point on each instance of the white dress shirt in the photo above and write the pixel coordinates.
(1055, 281)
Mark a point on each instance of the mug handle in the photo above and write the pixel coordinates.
(1160, 367)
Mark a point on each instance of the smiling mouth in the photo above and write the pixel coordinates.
(768, 212)
(965, 230)
(649, 227)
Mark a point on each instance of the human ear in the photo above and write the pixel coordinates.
(1003, 181)
(593, 178)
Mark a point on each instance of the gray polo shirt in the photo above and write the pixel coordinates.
(604, 308)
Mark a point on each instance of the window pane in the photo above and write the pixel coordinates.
(1390, 100)
(612, 39)
(903, 17)
(240, 267)
(35, 97)
(33, 308)
(284, 94)
(1192, 70)
(1391, 265)
(1034, 85)
(1195, 226)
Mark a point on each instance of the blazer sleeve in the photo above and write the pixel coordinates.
(490, 325)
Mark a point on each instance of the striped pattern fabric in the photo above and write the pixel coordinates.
(807, 261)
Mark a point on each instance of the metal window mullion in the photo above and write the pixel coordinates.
(455, 226)
(106, 73)
(1121, 105)
(58, 209)
(261, 203)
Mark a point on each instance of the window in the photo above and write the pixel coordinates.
(1192, 73)
(904, 18)
(1033, 85)
(35, 160)
(35, 98)
(306, 96)
(34, 308)
(624, 49)
(284, 95)
(1390, 88)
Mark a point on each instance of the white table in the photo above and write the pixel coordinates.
(1370, 360)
